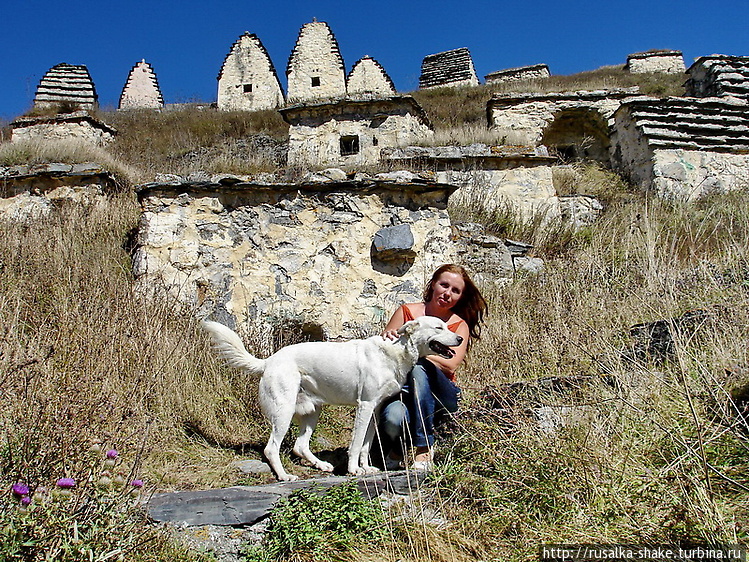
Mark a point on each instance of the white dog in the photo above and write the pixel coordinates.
(297, 380)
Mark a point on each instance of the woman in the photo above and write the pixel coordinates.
(430, 388)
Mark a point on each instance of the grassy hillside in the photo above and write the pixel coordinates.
(655, 449)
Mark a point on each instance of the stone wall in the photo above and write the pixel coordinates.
(533, 72)
(518, 179)
(65, 126)
(719, 75)
(315, 70)
(524, 118)
(265, 256)
(449, 68)
(683, 147)
(368, 79)
(668, 62)
(141, 89)
(66, 84)
(31, 192)
(352, 132)
(248, 80)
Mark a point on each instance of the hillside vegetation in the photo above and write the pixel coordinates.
(655, 449)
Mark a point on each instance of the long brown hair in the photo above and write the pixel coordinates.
(471, 307)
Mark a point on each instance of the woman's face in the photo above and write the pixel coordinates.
(447, 289)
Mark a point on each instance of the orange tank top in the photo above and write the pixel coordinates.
(407, 317)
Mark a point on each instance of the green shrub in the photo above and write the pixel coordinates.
(312, 525)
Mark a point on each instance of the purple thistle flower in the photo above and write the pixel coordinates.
(112, 454)
(66, 483)
(20, 489)
(137, 483)
(25, 501)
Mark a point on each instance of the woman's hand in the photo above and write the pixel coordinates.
(391, 335)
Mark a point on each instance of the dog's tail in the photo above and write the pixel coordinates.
(231, 349)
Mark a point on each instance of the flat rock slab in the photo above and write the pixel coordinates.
(245, 505)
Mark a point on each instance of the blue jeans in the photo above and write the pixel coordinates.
(411, 413)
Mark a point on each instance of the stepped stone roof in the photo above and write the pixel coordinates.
(707, 124)
(447, 68)
(719, 75)
(369, 77)
(141, 89)
(66, 83)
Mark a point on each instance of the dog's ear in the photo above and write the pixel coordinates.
(408, 328)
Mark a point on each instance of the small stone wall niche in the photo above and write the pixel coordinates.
(248, 80)
(141, 89)
(66, 84)
(315, 70)
(449, 68)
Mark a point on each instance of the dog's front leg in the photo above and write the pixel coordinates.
(362, 427)
(367, 446)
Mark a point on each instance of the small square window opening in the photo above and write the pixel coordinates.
(349, 145)
(315, 81)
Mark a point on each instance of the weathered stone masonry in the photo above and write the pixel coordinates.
(265, 255)
(248, 80)
(719, 75)
(449, 68)
(315, 70)
(352, 131)
(683, 147)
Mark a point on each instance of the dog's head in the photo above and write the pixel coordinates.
(431, 336)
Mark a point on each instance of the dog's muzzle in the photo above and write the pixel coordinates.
(442, 350)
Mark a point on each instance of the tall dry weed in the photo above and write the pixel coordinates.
(624, 446)
(84, 358)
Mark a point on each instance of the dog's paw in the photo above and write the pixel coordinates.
(356, 470)
(370, 469)
(286, 477)
(324, 466)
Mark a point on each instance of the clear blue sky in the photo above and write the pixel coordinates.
(186, 41)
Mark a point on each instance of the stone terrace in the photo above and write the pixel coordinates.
(719, 75)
